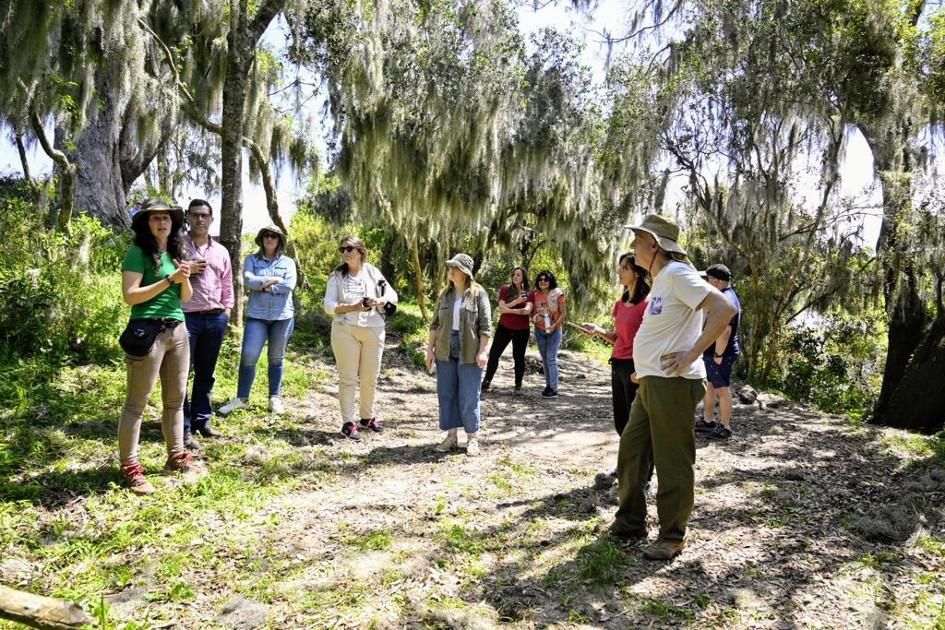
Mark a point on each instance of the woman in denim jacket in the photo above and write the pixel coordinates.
(458, 346)
(270, 316)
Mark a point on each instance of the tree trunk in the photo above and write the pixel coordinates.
(917, 400)
(231, 165)
(99, 189)
(418, 278)
(914, 348)
(37, 611)
(241, 42)
(24, 162)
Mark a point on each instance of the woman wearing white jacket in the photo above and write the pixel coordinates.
(357, 297)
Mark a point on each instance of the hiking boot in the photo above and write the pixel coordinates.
(133, 474)
(627, 537)
(550, 393)
(449, 442)
(705, 427)
(486, 386)
(350, 431)
(720, 432)
(191, 443)
(233, 405)
(275, 405)
(518, 387)
(204, 430)
(184, 463)
(372, 424)
(664, 549)
(472, 448)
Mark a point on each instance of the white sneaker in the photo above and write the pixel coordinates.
(275, 405)
(449, 442)
(233, 405)
(472, 448)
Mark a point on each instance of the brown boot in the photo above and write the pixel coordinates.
(184, 463)
(664, 549)
(133, 473)
(191, 443)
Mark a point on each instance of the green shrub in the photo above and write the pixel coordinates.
(833, 366)
(60, 293)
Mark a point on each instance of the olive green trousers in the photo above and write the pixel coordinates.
(660, 432)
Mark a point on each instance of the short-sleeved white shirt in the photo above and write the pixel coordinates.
(672, 321)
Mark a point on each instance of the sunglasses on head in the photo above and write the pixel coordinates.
(346, 249)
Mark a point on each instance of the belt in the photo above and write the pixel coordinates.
(210, 311)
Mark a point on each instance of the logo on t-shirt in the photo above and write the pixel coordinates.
(656, 305)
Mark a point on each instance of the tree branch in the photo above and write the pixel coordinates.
(197, 115)
(264, 15)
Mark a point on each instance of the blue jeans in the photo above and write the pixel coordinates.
(548, 345)
(256, 333)
(457, 390)
(205, 334)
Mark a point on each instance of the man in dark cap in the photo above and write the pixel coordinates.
(719, 359)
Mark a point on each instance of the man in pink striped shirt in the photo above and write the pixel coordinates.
(207, 315)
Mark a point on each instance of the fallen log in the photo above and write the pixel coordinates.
(37, 611)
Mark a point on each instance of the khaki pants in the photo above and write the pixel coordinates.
(659, 432)
(358, 351)
(169, 358)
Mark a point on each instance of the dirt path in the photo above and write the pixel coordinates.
(801, 520)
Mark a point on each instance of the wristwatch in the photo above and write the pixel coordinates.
(718, 356)
(167, 277)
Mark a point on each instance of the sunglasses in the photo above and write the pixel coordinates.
(270, 235)
(347, 249)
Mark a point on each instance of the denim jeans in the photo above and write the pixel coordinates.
(205, 334)
(256, 333)
(548, 345)
(457, 390)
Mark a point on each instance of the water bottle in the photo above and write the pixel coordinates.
(547, 321)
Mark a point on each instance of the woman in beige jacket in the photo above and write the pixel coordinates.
(356, 297)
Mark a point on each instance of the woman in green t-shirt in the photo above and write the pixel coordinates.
(155, 280)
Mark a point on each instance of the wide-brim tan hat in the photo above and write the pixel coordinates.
(664, 231)
(154, 204)
(463, 262)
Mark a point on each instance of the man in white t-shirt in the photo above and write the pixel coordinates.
(667, 355)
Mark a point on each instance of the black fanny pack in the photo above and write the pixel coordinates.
(139, 335)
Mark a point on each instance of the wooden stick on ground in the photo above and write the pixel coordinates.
(41, 612)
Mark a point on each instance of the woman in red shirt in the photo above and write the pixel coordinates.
(628, 315)
(514, 308)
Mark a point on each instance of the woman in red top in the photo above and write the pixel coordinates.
(628, 314)
(514, 308)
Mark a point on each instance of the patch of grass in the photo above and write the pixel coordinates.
(666, 610)
(925, 612)
(458, 539)
(935, 545)
(375, 541)
(878, 561)
(916, 446)
(603, 562)
(577, 617)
